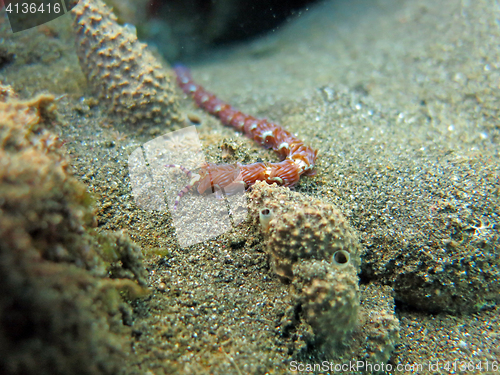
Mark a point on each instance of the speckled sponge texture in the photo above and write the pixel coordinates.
(311, 244)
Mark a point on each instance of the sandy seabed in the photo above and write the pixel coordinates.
(401, 99)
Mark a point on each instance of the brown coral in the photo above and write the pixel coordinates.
(302, 228)
(124, 74)
(311, 243)
(328, 297)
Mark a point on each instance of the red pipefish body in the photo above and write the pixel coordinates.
(298, 159)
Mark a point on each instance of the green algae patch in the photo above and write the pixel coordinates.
(123, 260)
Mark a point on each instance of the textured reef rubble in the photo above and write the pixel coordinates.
(61, 309)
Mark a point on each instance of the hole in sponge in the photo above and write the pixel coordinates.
(341, 258)
(265, 216)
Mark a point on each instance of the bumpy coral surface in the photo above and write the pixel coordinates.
(123, 73)
(59, 313)
(303, 228)
(328, 297)
(311, 243)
